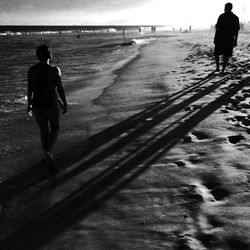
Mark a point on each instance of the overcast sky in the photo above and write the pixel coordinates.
(198, 13)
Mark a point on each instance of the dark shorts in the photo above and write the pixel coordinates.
(47, 116)
(223, 49)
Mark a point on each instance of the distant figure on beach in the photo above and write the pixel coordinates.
(226, 35)
(44, 82)
(242, 26)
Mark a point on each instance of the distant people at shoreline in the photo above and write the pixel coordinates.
(242, 26)
(226, 36)
(44, 82)
(153, 29)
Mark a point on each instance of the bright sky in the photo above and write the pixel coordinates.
(198, 13)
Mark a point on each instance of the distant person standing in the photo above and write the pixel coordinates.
(44, 82)
(226, 35)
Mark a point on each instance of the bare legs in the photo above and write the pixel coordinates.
(48, 122)
(225, 61)
(217, 61)
(48, 137)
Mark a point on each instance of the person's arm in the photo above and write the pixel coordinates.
(236, 31)
(236, 39)
(29, 90)
(60, 90)
(217, 27)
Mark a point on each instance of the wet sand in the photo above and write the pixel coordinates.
(162, 164)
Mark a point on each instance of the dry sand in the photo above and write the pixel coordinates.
(157, 171)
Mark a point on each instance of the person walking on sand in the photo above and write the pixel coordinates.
(44, 82)
(226, 35)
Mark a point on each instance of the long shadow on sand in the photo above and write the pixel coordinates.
(39, 172)
(104, 185)
(133, 126)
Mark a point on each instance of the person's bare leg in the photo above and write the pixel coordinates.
(217, 61)
(44, 136)
(54, 115)
(225, 61)
(51, 141)
(52, 138)
(43, 124)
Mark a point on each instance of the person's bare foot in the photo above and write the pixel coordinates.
(49, 157)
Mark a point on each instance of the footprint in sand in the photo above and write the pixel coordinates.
(196, 136)
(191, 71)
(204, 233)
(220, 193)
(233, 105)
(245, 105)
(235, 120)
(245, 122)
(239, 98)
(186, 163)
(207, 191)
(234, 139)
(215, 187)
(240, 120)
(214, 221)
(200, 135)
(246, 92)
(224, 111)
(180, 163)
(234, 101)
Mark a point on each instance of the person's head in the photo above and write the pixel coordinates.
(43, 53)
(228, 7)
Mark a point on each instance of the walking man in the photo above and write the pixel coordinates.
(226, 35)
(44, 82)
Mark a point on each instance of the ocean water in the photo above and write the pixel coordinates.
(88, 59)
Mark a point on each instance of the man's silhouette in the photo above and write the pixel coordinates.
(226, 36)
(44, 82)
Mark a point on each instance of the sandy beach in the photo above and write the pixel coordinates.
(156, 160)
